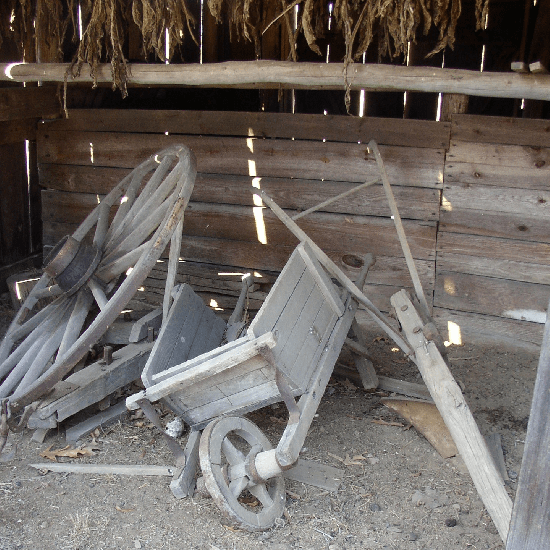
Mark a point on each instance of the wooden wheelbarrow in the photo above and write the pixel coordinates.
(288, 351)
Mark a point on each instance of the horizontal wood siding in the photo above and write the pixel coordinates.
(323, 159)
(474, 196)
(493, 245)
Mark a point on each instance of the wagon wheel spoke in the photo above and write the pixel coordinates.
(233, 455)
(261, 493)
(88, 266)
(225, 474)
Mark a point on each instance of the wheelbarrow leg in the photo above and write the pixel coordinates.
(183, 483)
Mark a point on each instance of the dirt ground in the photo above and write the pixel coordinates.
(377, 505)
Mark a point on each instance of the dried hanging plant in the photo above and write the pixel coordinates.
(107, 24)
(7, 32)
(244, 18)
(394, 22)
(154, 17)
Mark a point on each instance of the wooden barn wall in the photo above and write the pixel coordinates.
(20, 224)
(493, 244)
(472, 196)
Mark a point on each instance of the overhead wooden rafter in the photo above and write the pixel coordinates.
(284, 75)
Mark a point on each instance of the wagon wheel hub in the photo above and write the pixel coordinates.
(71, 263)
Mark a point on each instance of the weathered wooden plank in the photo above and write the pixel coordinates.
(420, 203)
(494, 248)
(331, 231)
(504, 130)
(272, 257)
(386, 131)
(506, 175)
(506, 225)
(491, 296)
(491, 267)
(457, 416)
(248, 156)
(316, 474)
(520, 156)
(104, 418)
(14, 131)
(530, 525)
(483, 329)
(23, 103)
(527, 202)
(107, 469)
(98, 380)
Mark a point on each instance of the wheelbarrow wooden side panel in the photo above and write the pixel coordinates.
(298, 313)
(190, 330)
(235, 378)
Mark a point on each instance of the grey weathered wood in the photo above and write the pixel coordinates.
(492, 129)
(387, 131)
(403, 387)
(107, 469)
(104, 418)
(490, 154)
(519, 67)
(314, 160)
(481, 329)
(324, 204)
(40, 434)
(323, 281)
(246, 350)
(530, 525)
(491, 296)
(98, 380)
(457, 416)
(532, 203)
(361, 357)
(140, 328)
(316, 474)
(494, 442)
(335, 271)
(400, 230)
(281, 74)
(184, 485)
(175, 341)
(413, 199)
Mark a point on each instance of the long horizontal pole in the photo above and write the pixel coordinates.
(283, 74)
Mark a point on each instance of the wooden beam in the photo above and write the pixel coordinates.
(285, 75)
(530, 525)
(457, 415)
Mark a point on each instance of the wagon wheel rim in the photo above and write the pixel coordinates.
(225, 445)
(123, 236)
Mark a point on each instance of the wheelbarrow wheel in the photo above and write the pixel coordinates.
(104, 262)
(225, 445)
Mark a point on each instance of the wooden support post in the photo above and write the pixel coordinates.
(457, 415)
(530, 526)
(184, 484)
(363, 364)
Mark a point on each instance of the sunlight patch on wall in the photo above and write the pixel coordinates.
(455, 334)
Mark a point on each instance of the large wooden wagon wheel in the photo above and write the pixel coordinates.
(105, 261)
(227, 451)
